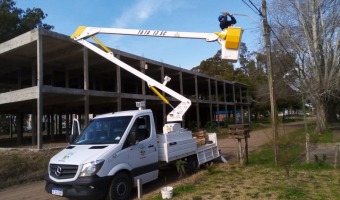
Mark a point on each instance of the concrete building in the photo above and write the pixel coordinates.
(53, 78)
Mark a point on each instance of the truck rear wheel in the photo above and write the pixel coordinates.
(120, 187)
(192, 164)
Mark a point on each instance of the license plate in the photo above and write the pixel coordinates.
(57, 191)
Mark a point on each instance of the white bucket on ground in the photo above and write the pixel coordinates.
(167, 192)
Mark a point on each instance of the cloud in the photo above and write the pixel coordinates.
(141, 11)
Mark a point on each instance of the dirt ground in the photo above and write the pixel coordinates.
(228, 148)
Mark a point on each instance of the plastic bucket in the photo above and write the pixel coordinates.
(167, 192)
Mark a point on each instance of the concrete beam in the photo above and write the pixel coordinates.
(19, 95)
(19, 41)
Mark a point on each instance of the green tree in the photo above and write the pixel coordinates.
(216, 67)
(251, 72)
(15, 21)
(252, 67)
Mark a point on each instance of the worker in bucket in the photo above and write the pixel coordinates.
(224, 22)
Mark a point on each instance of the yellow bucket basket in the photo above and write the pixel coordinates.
(233, 38)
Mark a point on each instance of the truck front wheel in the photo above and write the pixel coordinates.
(120, 187)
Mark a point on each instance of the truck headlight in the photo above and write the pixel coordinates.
(91, 168)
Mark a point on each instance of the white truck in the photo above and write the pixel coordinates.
(106, 159)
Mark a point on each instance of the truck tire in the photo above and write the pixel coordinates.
(120, 187)
(192, 164)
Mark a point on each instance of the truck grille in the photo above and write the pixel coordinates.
(63, 171)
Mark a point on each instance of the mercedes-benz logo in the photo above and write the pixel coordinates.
(58, 171)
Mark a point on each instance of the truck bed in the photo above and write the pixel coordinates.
(208, 151)
(177, 145)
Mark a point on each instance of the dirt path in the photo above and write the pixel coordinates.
(228, 147)
(257, 138)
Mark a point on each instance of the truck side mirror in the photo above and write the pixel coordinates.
(71, 139)
(75, 131)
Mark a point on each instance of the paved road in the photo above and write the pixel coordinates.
(228, 147)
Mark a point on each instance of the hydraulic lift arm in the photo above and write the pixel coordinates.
(83, 33)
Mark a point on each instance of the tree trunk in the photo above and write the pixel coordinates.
(332, 111)
(321, 116)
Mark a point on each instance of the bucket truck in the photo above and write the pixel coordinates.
(116, 149)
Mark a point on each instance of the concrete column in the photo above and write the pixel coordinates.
(217, 100)
(142, 69)
(67, 79)
(49, 124)
(197, 105)
(242, 114)
(216, 91)
(53, 126)
(249, 117)
(211, 112)
(164, 113)
(86, 86)
(34, 127)
(224, 93)
(60, 124)
(67, 126)
(198, 115)
(181, 92)
(240, 90)
(196, 88)
(34, 110)
(225, 99)
(210, 99)
(248, 107)
(40, 82)
(34, 74)
(19, 78)
(241, 106)
(19, 128)
(118, 86)
(164, 106)
(181, 82)
(10, 126)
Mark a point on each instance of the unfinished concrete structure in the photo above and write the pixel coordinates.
(47, 74)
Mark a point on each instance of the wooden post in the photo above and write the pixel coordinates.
(271, 82)
(239, 132)
(239, 141)
(307, 148)
(246, 147)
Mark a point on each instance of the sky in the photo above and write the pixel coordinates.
(163, 15)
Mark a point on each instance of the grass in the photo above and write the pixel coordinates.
(257, 182)
(19, 166)
(261, 179)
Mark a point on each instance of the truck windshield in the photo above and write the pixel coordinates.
(104, 131)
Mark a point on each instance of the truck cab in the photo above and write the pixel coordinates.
(107, 157)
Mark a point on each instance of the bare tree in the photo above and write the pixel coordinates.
(310, 29)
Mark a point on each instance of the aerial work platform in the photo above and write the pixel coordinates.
(229, 38)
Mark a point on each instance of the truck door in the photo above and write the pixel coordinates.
(143, 156)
